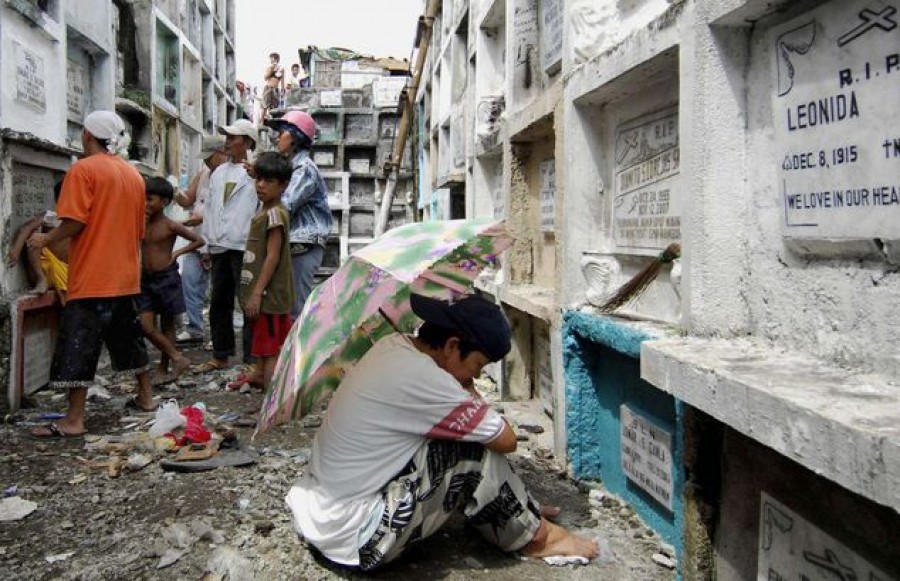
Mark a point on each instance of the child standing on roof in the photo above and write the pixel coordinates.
(267, 285)
(161, 291)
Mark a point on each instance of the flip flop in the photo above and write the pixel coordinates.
(241, 380)
(207, 366)
(55, 433)
(223, 459)
(132, 404)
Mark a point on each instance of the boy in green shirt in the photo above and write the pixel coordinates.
(267, 285)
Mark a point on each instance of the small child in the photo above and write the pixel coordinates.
(267, 285)
(46, 268)
(161, 292)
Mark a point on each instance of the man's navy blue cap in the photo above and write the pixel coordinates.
(476, 319)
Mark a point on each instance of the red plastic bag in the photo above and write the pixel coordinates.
(194, 430)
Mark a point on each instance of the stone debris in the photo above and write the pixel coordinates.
(16, 508)
(663, 561)
(170, 557)
(231, 523)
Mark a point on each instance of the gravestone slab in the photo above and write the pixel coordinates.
(386, 91)
(35, 324)
(551, 36)
(646, 207)
(32, 192)
(525, 42)
(646, 453)
(30, 78)
(790, 547)
(330, 98)
(324, 158)
(836, 80)
(75, 95)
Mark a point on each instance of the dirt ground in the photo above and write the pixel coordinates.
(232, 523)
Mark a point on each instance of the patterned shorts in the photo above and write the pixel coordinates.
(88, 324)
(443, 477)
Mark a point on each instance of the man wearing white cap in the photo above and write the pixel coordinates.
(101, 208)
(230, 207)
(194, 274)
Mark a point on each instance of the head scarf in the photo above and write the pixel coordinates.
(109, 127)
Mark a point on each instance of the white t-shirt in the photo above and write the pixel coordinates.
(388, 406)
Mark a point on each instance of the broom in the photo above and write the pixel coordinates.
(636, 285)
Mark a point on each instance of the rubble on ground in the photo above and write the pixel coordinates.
(105, 506)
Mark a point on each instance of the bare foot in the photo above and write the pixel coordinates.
(549, 511)
(162, 368)
(179, 366)
(553, 540)
(39, 289)
(60, 429)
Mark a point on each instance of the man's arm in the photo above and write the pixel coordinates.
(22, 236)
(187, 199)
(188, 234)
(66, 229)
(505, 442)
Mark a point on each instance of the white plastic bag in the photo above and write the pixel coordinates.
(168, 418)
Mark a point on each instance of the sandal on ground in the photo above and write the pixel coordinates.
(241, 380)
(132, 404)
(55, 433)
(211, 365)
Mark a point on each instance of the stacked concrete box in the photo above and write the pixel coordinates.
(356, 132)
(604, 132)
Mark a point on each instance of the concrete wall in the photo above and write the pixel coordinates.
(839, 308)
(667, 125)
(34, 53)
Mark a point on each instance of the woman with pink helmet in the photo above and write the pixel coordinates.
(306, 199)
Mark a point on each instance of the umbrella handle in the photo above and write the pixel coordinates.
(390, 322)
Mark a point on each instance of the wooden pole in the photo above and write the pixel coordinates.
(407, 104)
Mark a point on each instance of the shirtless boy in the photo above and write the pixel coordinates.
(161, 292)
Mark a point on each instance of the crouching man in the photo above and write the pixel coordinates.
(407, 440)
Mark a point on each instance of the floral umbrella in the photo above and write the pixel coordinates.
(367, 299)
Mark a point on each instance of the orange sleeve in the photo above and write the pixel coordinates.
(75, 199)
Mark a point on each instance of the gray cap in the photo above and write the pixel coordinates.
(241, 127)
(210, 145)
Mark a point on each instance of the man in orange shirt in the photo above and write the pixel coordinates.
(101, 209)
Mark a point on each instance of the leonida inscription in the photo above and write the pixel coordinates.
(835, 105)
(646, 212)
(793, 549)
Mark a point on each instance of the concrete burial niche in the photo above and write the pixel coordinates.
(620, 429)
(786, 522)
(629, 209)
